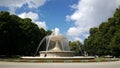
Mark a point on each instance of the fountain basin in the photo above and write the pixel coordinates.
(56, 53)
(58, 58)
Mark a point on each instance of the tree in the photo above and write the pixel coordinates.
(19, 36)
(76, 46)
(105, 39)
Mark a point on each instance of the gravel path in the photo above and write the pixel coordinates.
(115, 64)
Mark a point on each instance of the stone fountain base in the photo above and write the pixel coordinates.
(56, 54)
(57, 59)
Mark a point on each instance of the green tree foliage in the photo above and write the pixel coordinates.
(19, 36)
(105, 39)
(77, 47)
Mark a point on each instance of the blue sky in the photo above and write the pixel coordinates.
(73, 18)
(54, 13)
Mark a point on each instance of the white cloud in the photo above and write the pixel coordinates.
(90, 13)
(78, 39)
(35, 18)
(41, 24)
(31, 15)
(35, 3)
(76, 31)
(13, 4)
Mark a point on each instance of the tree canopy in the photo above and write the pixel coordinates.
(77, 47)
(105, 39)
(19, 36)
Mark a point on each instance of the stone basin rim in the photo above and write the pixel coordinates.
(56, 51)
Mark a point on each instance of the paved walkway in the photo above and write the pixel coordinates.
(60, 65)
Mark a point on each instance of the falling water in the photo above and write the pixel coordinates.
(79, 48)
(61, 45)
(48, 43)
(68, 48)
(64, 42)
(40, 45)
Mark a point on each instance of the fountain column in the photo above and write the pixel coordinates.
(57, 46)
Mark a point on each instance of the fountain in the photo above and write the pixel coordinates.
(57, 48)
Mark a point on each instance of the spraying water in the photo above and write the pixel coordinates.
(55, 32)
(79, 48)
(55, 43)
(39, 45)
(48, 43)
